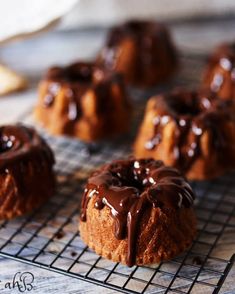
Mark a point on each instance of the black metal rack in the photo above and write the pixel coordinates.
(48, 238)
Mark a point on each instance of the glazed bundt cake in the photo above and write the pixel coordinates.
(193, 131)
(137, 212)
(26, 174)
(220, 72)
(142, 51)
(84, 101)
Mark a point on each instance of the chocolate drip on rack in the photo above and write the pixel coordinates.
(129, 188)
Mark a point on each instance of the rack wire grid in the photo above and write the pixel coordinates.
(49, 237)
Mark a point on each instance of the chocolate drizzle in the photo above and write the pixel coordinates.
(18, 146)
(76, 78)
(221, 71)
(193, 114)
(131, 187)
(75, 81)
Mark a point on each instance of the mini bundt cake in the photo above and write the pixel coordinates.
(137, 212)
(193, 131)
(142, 51)
(26, 174)
(220, 72)
(83, 100)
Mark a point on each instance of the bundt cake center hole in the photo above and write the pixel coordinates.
(132, 180)
(80, 77)
(134, 183)
(136, 26)
(135, 174)
(74, 73)
(79, 73)
(185, 106)
(129, 181)
(6, 143)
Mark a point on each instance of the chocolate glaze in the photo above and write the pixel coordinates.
(193, 114)
(225, 58)
(150, 39)
(130, 188)
(78, 78)
(20, 145)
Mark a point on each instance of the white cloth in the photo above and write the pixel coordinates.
(106, 12)
(23, 17)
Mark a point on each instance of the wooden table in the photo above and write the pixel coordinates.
(32, 57)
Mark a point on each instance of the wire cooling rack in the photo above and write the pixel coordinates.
(48, 238)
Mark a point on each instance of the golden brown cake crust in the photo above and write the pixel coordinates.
(157, 242)
(191, 131)
(26, 176)
(142, 51)
(84, 101)
(219, 75)
(164, 224)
